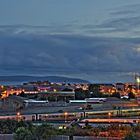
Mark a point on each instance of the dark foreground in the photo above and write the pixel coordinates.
(27, 131)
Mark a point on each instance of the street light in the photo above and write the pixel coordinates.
(18, 116)
(109, 115)
(18, 113)
(65, 115)
(138, 82)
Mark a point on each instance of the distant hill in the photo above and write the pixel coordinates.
(41, 78)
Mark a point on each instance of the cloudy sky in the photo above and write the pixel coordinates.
(96, 40)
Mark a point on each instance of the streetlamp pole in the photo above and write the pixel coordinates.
(109, 115)
(18, 116)
(65, 115)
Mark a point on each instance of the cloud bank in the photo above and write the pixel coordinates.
(108, 51)
(67, 54)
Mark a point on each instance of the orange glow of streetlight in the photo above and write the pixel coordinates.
(109, 114)
(18, 116)
(18, 113)
(65, 115)
(55, 90)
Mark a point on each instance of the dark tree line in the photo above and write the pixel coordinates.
(27, 131)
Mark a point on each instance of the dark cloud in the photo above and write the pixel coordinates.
(123, 12)
(122, 24)
(65, 54)
(126, 10)
(123, 20)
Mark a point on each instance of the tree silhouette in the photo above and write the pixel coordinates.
(131, 95)
(116, 94)
(23, 134)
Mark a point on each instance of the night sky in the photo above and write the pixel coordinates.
(96, 40)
